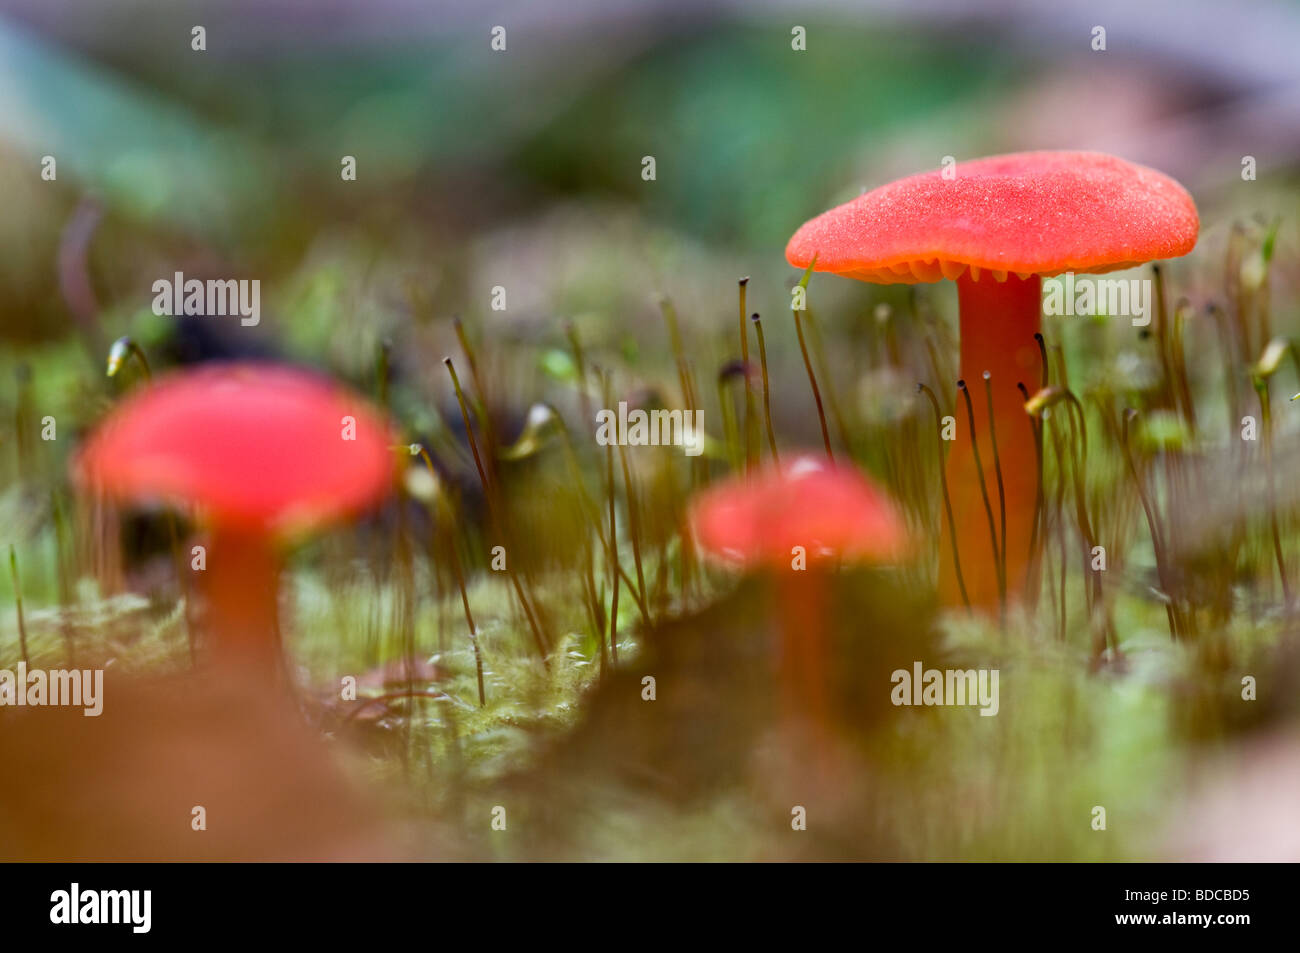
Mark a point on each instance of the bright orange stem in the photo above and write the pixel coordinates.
(803, 665)
(241, 585)
(998, 323)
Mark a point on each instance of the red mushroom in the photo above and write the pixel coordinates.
(261, 451)
(997, 226)
(809, 508)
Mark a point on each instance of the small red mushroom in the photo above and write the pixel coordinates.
(261, 452)
(795, 521)
(997, 226)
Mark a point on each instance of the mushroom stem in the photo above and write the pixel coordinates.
(241, 586)
(803, 672)
(802, 664)
(998, 322)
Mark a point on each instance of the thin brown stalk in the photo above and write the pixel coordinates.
(18, 603)
(612, 556)
(751, 451)
(1153, 527)
(947, 499)
(979, 470)
(812, 379)
(588, 418)
(496, 517)
(1265, 404)
(480, 398)
(1002, 496)
(1035, 555)
(824, 371)
(634, 532)
(767, 388)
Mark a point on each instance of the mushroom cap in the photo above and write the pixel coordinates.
(253, 446)
(832, 511)
(1027, 213)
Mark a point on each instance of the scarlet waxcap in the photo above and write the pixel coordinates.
(253, 446)
(829, 510)
(1027, 213)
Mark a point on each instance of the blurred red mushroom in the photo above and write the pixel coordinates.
(997, 226)
(262, 452)
(795, 521)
